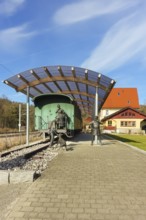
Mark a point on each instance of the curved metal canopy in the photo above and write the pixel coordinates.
(77, 82)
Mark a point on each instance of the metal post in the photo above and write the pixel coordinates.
(27, 117)
(96, 111)
(96, 102)
(19, 125)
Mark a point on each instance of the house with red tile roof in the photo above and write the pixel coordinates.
(120, 112)
(120, 98)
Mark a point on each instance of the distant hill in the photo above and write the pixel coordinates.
(9, 115)
(143, 109)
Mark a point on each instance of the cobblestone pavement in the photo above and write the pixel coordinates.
(9, 194)
(86, 182)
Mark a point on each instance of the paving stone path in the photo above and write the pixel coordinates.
(86, 182)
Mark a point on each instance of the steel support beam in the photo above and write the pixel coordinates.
(27, 117)
(96, 112)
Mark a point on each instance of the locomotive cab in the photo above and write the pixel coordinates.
(58, 114)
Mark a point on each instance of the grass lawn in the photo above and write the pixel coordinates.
(138, 141)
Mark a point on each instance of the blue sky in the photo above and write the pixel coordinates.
(107, 36)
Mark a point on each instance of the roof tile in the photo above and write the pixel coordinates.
(121, 98)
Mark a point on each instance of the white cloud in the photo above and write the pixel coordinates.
(87, 9)
(12, 38)
(9, 7)
(123, 41)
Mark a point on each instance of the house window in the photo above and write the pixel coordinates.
(109, 123)
(128, 123)
(107, 112)
(129, 114)
(133, 123)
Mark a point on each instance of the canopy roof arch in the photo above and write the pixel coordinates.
(79, 83)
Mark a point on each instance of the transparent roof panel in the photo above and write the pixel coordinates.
(72, 85)
(80, 83)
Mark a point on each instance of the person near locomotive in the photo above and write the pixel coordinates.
(95, 130)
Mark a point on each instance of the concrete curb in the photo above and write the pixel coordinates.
(13, 177)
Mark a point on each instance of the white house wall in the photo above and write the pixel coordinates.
(107, 112)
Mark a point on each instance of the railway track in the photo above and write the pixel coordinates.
(17, 134)
(34, 157)
(25, 149)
